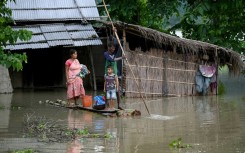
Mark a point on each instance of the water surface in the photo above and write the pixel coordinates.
(209, 124)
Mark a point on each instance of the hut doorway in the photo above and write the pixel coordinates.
(44, 68)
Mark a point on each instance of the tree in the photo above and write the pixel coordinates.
(8, 35)
(148, 13)
(214, 21)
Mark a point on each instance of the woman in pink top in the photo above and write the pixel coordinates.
(74, 82)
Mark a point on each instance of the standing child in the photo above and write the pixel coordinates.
(111, 87)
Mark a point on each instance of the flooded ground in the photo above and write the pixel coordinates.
(209, 124)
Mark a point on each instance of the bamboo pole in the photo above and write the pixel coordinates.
(93, 70)
(125, 56)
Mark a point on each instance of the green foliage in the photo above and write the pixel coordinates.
(41, 126)
(24, 151)
(176, 144)
(68, 132)
(108, 136)
(218, 22)
(8, 35)
(243, 73)
(148, 13)
(83, 131)
(221, 88)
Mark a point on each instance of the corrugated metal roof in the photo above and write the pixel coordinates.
(24, 4)
(90, 13)
(85, 3)
(87, 42)
(60, 34)
(27, 46)
(35, 38)
(33, 29)
(46, 10)
(83, 34)
(53, 27)
(77, 27)
(57, 35)
(60, 43)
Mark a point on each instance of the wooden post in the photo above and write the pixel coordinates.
(174, 49)
(92, 66)
(124, 39)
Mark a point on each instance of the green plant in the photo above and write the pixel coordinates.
(176, 144)
(82, 132)
(243, 73)
(68, 132)
(8, 35)
(41, 126)
(96, 135)
(24, 151)
(221, 88)
(108, 135)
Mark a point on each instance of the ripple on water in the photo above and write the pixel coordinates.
(161, 117)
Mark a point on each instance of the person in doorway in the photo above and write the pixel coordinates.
(111, 86)
(74, 82)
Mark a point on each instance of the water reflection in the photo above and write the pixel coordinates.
(79, 120)
(5, 104)
(209, 124)
(74, 147)
(96, 124)
(206, 109)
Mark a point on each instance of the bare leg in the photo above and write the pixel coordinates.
(112, 104)
(75, 100)
(109, 103)
(69, 102)
(118, 101)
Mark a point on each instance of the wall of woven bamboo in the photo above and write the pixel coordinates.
(158, 73)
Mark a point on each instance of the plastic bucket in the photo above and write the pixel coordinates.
(87, 101)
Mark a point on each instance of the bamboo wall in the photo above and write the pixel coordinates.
(159, 73)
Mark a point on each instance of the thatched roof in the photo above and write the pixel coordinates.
(188, 46)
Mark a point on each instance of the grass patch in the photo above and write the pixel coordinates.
(177, 144)
(46, 130)
(24, 151)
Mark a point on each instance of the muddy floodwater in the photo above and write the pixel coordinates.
(211, 124)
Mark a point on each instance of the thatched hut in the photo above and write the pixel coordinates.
(159, 64)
